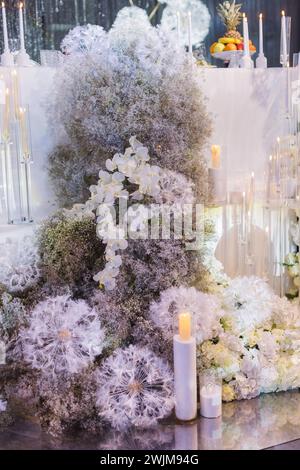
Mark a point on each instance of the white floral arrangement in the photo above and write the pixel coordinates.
(259, 349)
(246, 333)
(130, 177)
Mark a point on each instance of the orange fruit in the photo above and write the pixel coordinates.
(230, 47)
(212, 47)
(252, 48)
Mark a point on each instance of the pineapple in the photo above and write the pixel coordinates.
(231, 16)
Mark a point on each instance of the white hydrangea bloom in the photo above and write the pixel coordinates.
(64, 336)
(205, 309)
(285, 313)
(248, 301)
(19, 264)
(134, 387)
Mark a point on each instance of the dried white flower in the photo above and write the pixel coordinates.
(64, 336)
(19, 264)
(205, 309)
(135, 387)
(83, 39)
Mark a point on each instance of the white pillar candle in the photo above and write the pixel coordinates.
(21, 25)
(284, 39)
(185, 371)
(5, 33)
(217, 181)
(211, 401)
(190, 32)
(246, 35)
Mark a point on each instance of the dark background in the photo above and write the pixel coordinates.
(47, 21)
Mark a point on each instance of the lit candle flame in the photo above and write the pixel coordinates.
(261, 15)
(21, 5)
(283, 13)
(3, 5)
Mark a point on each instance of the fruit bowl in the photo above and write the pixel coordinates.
(226, 56)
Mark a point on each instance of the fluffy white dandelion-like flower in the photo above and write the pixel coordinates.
(200, 19)
(19, 262)
(134, 387)
(205, 309)
(64, 336)
(129, 20)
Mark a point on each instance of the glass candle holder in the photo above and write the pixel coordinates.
(210, 394)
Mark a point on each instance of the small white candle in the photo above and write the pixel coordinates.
(211, 401)
(284, 39)
(190, 32)
(185, 379)
(21, 24)
(261, 35)
(5, 33)
(246, 36)
(178, 27)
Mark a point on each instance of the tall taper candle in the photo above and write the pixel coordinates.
(190, 32)
(185, 370)
(261, 61)
(246, 35)
(261, 35)
(5, 33)
(284, 39)
(21, 25)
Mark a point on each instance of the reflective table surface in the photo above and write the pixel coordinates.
(256, 424)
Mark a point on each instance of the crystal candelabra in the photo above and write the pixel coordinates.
(16, 154)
